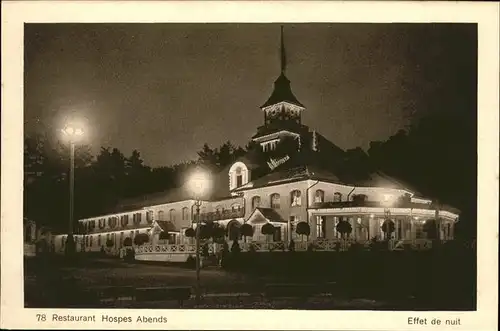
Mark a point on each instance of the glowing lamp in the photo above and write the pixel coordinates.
(199, 183)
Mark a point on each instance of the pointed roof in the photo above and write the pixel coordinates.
(282, 93)
(282, 90)
(260, 215)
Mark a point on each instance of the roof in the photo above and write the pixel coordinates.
(268, 213)
(166, 226)
(380, 179)
(282, 92)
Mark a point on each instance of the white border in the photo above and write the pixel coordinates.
(14, 14)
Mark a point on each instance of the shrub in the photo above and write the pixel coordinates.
(141, 239)
(246, 230)
(344, 228)
(204, 250)
(291, 246)
(127, 242)
(190, 233)
(303, 229)
(267, 229)
(388, 228)
(311, 247)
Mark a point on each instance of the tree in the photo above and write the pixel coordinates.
(141, 239)
(303, 229)
(190, 233)
(388, 228)
(127, 242)
(430, 229)
(246, 230)
(268, 229)
(344, 228)
(110, 243)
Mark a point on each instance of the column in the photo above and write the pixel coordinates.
(329, 226)
(313, 224)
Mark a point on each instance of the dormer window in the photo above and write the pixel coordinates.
(239, 175)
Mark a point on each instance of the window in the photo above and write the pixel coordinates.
(275, 201)
(219, 209)
(91, 241)
(235, 207)
(239, 177)
(320, 226)
(255, 202)
(122, 235)
(160, 215)
(319, 196)
(295, 198)
(87, 241)
(185, 213)
(99, 240)
(124, 220)
(27, 233)
(137, 218)
(149, 216)
(131, 234)
(171, 215)
(337, 197)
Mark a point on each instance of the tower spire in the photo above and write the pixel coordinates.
(283, 54)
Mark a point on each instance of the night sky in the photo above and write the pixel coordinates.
(166, 89)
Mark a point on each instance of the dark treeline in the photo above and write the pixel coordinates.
(437, 156)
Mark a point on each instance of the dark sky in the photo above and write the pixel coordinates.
(166, 89)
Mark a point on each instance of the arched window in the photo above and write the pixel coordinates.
(185, 213)
(171, 215)
(275, 201)
(295, 198)
(239, 177)
(91, 241)
(149, 216)
(319, 196)
(337, 197)
(160, 215)
(99, 240)
(255, 202)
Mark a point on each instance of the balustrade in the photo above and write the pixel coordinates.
(318, 245)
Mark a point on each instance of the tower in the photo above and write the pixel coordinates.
(282, 111)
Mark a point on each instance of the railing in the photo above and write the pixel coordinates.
(170, 248)
(320, 245)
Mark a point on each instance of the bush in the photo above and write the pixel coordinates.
(141, 239)
(291, 246)
(246, 230)
(127, 242)
(303, 229)
(190, 233)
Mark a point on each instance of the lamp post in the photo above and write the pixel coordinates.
(199, 184)
(73, 133)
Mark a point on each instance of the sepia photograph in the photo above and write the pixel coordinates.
(297, 166)
(257, 167)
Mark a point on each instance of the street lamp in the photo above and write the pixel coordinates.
(73, 133)
(199, 184)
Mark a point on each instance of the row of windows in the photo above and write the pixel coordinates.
(295, 199)
(171, 214)
(112, 221)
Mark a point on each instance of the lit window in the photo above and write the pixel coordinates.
(319, 196)
(337, 197)
(255, 202)
(320, 226)
(275, 201)
(295, 198)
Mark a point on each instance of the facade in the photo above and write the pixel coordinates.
(293, 175)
